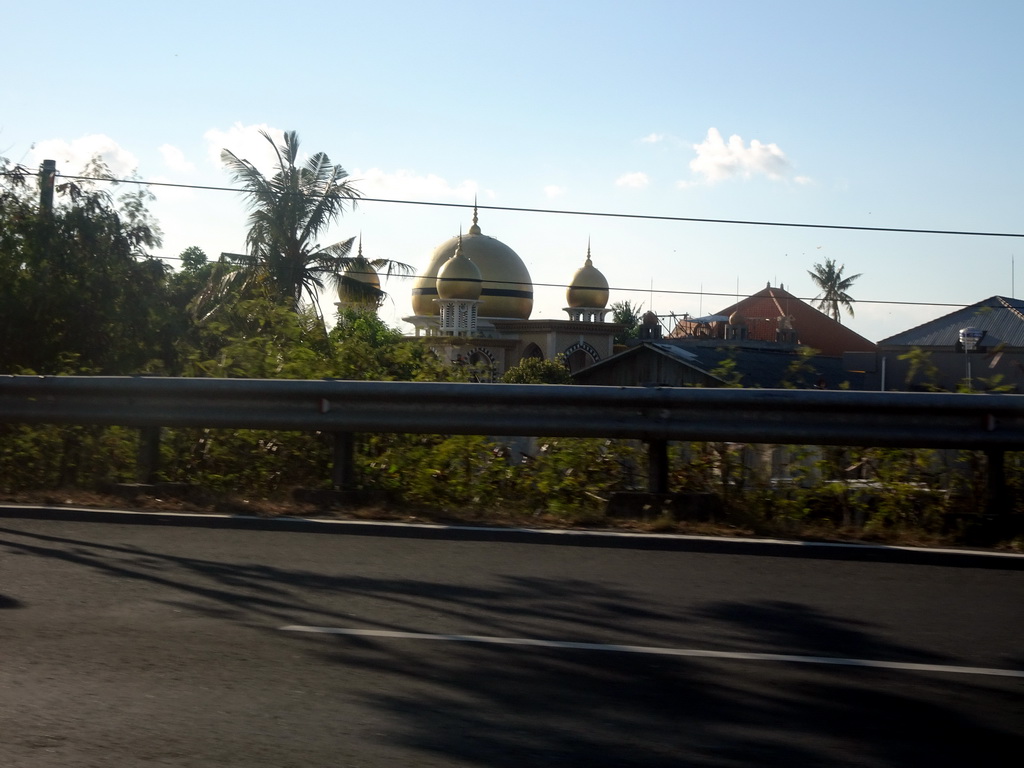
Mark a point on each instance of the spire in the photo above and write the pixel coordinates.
(475, 229)
(589, 262)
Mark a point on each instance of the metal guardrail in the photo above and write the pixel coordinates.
(657, 415)
(809, 417)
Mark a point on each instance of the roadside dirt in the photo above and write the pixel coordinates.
(196, 502)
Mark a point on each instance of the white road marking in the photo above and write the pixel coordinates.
(654, 651)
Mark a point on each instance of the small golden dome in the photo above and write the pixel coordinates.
(588, 288)
(506, 288)
(359, 271)
(459, 278)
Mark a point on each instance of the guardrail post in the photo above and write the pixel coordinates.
(341, 470)
(657, 466)
(997, 499)
(147, 461)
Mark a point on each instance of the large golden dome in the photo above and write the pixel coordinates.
(507, 289)
(589, 288)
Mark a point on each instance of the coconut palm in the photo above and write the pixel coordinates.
(833, 286)
(288, 212)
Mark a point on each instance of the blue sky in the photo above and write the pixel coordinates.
(879, 114)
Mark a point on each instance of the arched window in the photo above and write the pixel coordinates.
(532, 350)
(580, 355)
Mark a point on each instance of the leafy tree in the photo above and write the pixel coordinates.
(801, 373)
(533, 370)
(193, 259)
(833, 288)
(79, 290)
(289, 211)
(628, 314)
(920, 363)
(362, 346)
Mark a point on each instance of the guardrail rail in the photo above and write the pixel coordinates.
(993, 423)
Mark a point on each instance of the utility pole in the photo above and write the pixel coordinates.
(47, 177)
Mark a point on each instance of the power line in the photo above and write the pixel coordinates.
(669, 292)
(647, 217)
(599, 214)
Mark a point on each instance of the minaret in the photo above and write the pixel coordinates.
(458, 293)
(587, 295)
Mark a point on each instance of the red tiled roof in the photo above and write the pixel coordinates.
(813, 328)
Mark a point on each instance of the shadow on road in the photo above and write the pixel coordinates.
(9, 602)
(591, 708)
(500, 706)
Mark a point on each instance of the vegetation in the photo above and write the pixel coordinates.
(533, 370)
(289, 211)
(138, 318)
(834, 289)
(79, 291)
(627, 314)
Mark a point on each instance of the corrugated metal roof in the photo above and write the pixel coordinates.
(675, 352)
(765, 367)
(776, 368)
(1001, 318)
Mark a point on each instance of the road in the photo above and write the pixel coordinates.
(172, 645)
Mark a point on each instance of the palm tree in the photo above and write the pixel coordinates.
(627, 314)
(288, 212)
(834, 288)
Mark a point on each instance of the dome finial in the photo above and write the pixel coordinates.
(360, 254)
(475, 229)
(589, 262)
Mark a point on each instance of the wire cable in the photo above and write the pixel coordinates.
(601, 214)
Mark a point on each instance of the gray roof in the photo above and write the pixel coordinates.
(677, 353)
(757, 364)
(1001, 318)
(771, 368)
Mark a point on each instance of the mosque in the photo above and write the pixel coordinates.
(473, 300)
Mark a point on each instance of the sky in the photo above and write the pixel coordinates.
(903, 115)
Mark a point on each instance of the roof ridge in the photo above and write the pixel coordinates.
(1006, 303)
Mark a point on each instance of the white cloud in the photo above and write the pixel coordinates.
(718, 160)
(636, 180)
(404, 184)
(553, 190)
(653, 138)
(803, 180)
(174, 159)
(73, 156)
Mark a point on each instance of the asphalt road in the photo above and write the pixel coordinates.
(168, 645)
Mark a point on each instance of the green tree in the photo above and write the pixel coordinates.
(628, 314)
(833, 287)
(193, 259)
(79, 290)
(533, 370)
(289, 211)
(919, 363)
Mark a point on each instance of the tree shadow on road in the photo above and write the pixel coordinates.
(473, 704)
